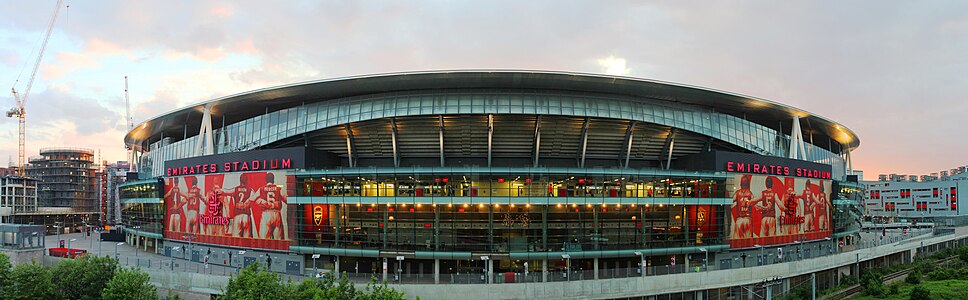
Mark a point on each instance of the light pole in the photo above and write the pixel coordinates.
(58, 227)
(761, 253)
(171, 258)
(567, 266)
(91, 228)
(705, 262)
(315, 256)
(642, 266)
(137, 241)
(99, 242)
(241, 253)
(69, 246)
(190, 237)
(116, 257)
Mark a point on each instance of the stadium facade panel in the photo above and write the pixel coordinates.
(504, 171)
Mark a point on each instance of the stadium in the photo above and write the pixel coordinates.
(494, 176)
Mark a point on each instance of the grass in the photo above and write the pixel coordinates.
(944, 289)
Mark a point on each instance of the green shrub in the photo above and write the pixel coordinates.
(914, 277)
(920, 293)
(872, 284)
(894, 289)
(941, 274)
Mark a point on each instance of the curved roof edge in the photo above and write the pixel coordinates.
(251, 103)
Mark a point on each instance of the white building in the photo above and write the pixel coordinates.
(934, 200)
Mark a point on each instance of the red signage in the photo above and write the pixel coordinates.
(213, 215)
(743, 167)
(232, 166)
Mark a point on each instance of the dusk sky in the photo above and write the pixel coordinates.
(894, 72)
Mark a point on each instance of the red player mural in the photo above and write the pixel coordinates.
(241, 209)
(778, 214)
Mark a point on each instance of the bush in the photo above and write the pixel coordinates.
(254, 283)
(872, 284)
(942, 274)
(894, 289)
(914, 277)
(963, 254)
(130, 284)
(920, 293)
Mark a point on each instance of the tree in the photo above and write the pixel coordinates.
(255, 283)
(5, 269)
(325, 288)
(30, 281)
(129, 283)
(83, 278)
(380, 291)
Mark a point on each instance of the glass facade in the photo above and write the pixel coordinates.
(277, 125)
(142, 207)
(509, 210)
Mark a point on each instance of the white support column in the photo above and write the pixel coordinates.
(394, 136)
(349, 144)
(436, 271)
(537, 140)
(205, 144)
(628, 143)
(797, 148)
(672, 145)
(544, 270)
(584, 142)
(441, 134)
(490, 137)
(336, 268)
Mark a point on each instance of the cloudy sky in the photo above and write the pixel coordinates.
(894, 72)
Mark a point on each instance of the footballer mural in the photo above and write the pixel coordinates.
(247, 209)
(770, 210)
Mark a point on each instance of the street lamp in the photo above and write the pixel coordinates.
(190, 237)
(116, 251)
(58, 227)
(567, 265)
(315, 256)
(761, 253)
(642, 265)
(705, 262)
(137, 241)
(487, 265)
(172, 258)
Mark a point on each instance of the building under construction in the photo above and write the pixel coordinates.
(66, 190)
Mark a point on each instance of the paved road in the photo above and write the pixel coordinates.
(129, 256)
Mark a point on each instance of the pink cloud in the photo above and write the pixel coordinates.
(66, 62)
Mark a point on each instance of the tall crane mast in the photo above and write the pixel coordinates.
(19, 110)
(132, 152)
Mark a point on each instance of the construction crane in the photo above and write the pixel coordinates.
(132, 152)
(19, 111)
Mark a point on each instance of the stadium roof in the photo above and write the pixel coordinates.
(250, 104)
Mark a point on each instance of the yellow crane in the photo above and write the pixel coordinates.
(19, 111)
